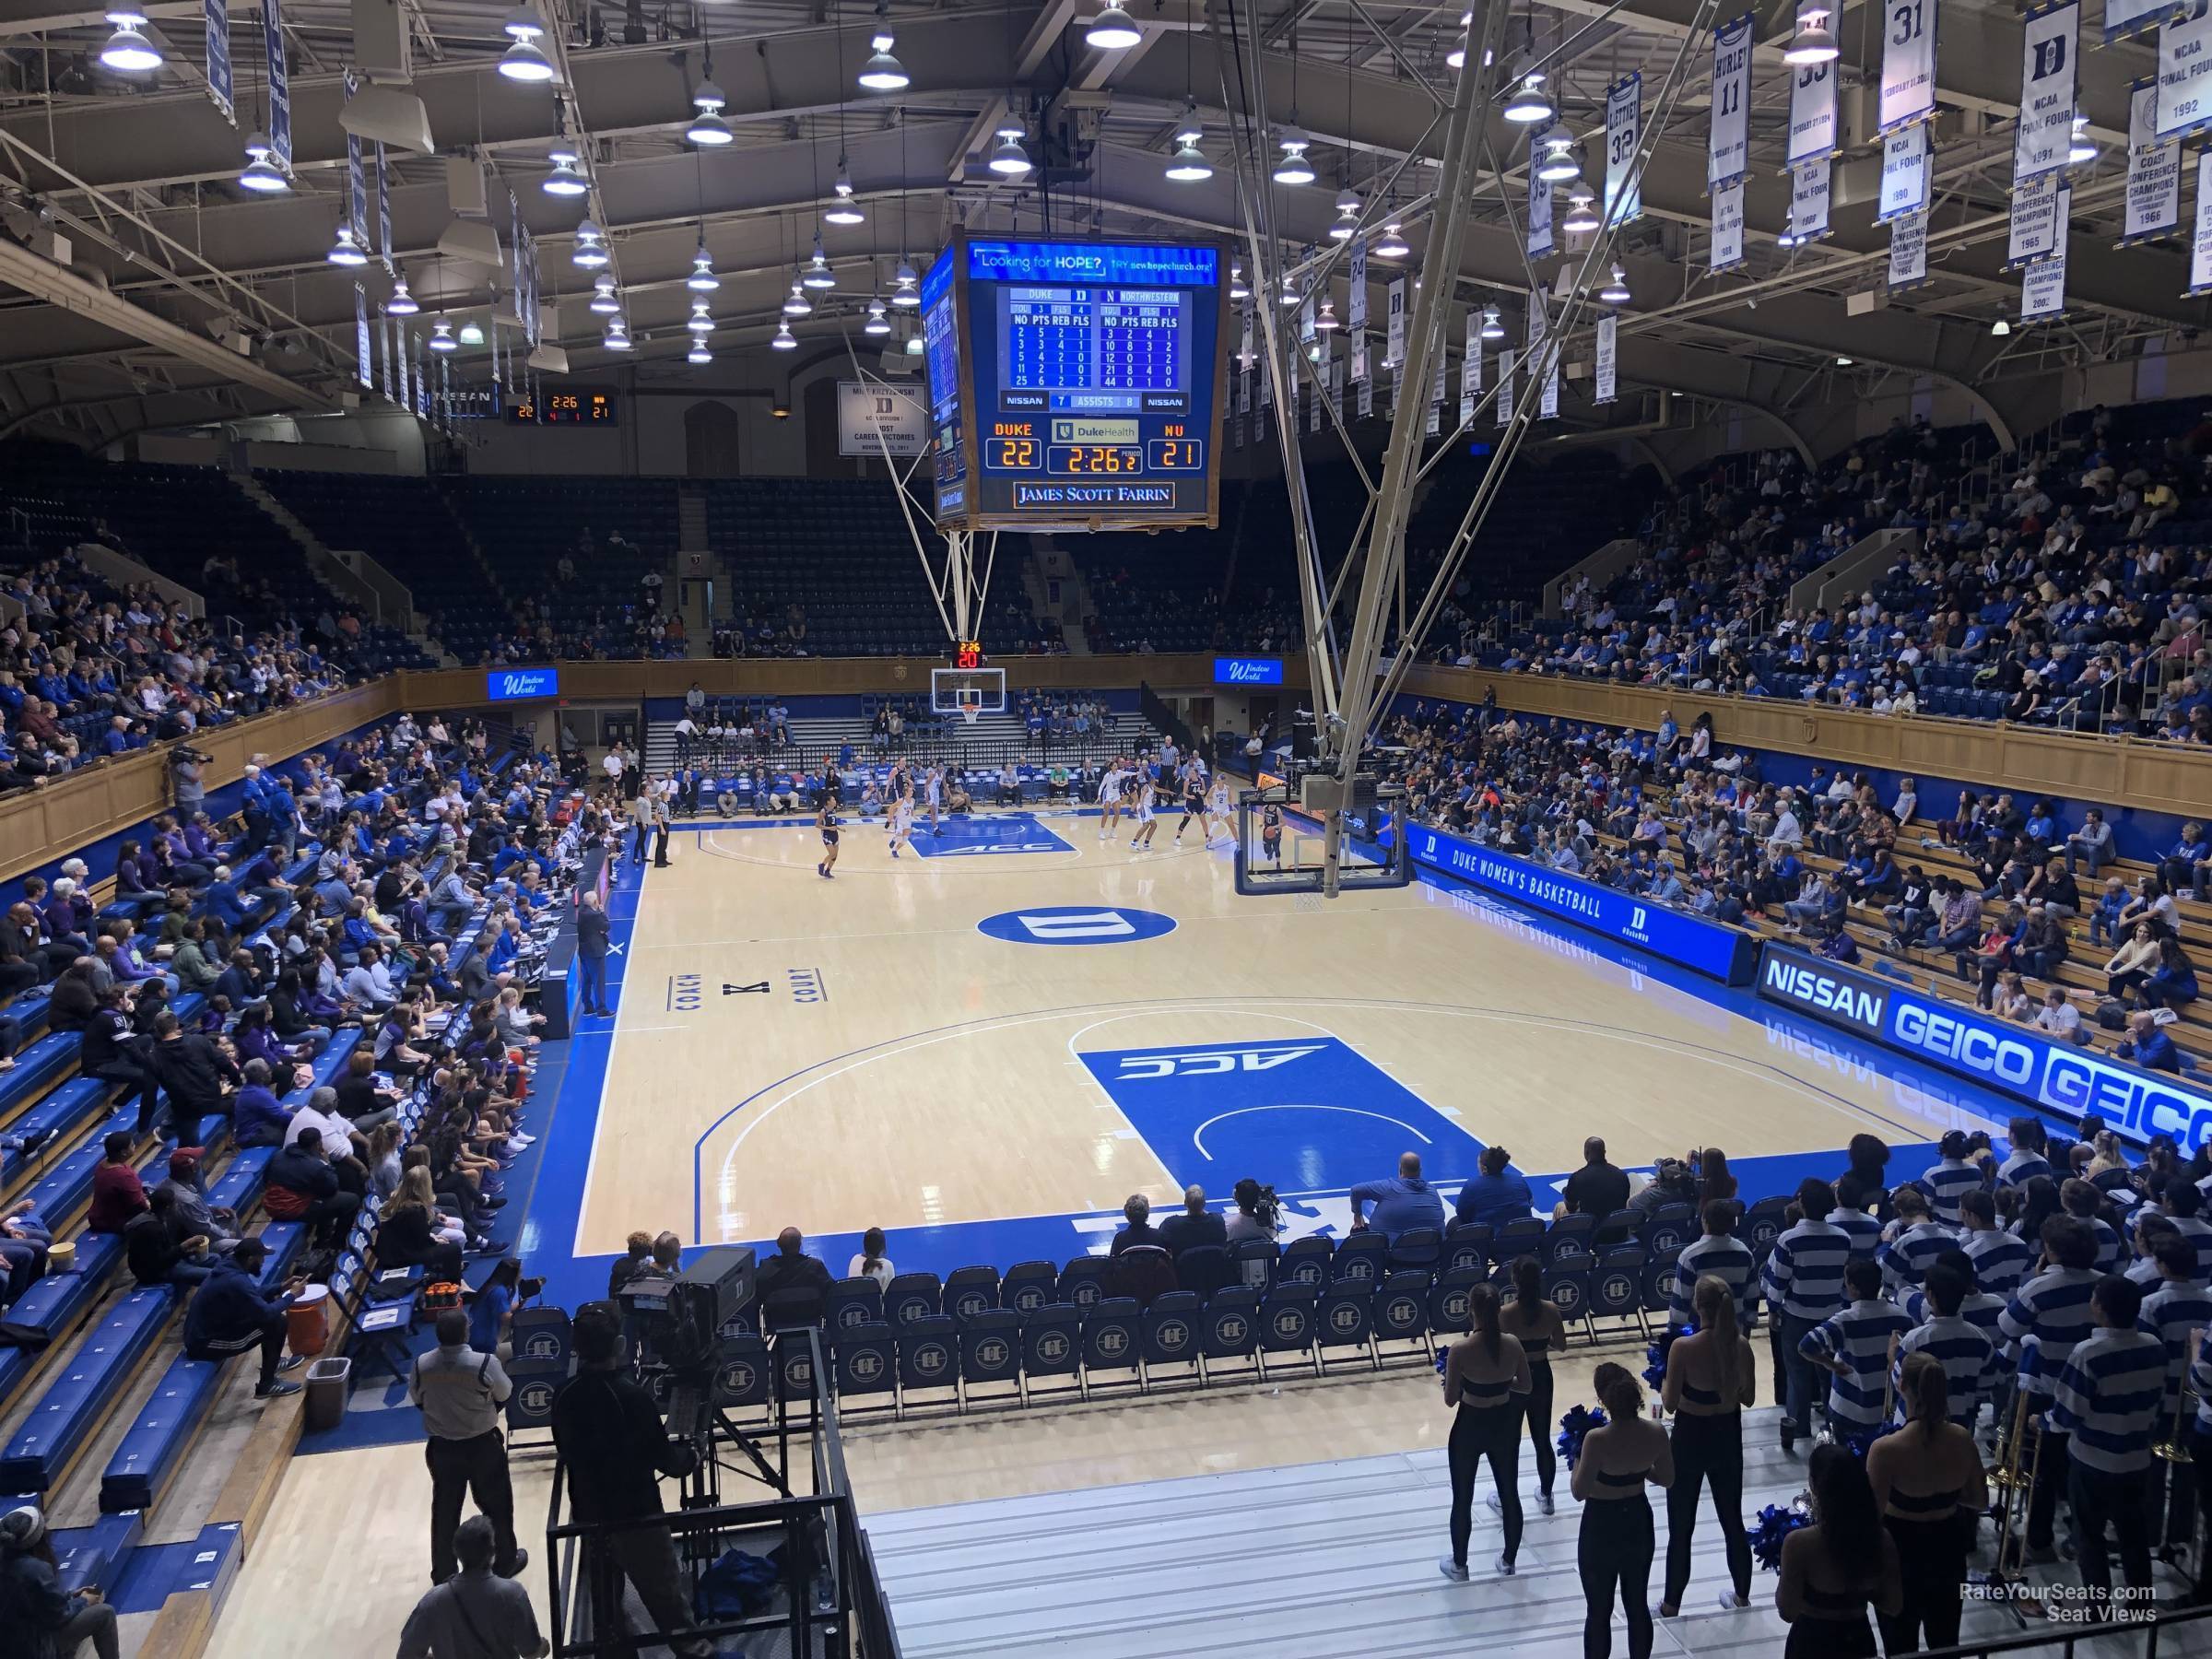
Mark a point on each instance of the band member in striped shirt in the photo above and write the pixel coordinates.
(2148, 1227)
(1865, 1232)
(1946, 1182)
(2106, 1401)
(1971, 1365)
(2084, 1203)
(2199, 1441)
(2174, 1311)
(2046, 1319)
(2183, 1206)
(1918, 1241)
(1804, 1284)
(2002, 1260)
(1724, 1255)
(2028, 1146)
(1853, 1344)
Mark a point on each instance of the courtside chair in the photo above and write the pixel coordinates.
(1361, 1256)
(1619, 1228)
(1659, 1285)
(742, 1384)
(1447, 1300)
(1083, 1282)
(1052, 1352)
(1416, 1249)
(1029, 1286)
(864, 1360)
(1168, 1337)
(1343, 1323)
(1286, 1325)
(1515, 1239)
(1255, 1261)
(1568, 1290)
(1616, 1289)
(1401, 1319)
(912, 1296)
(1203, 1269)
(1229, 1334)
(795, 1367)
(1762, 1224)
(1669, 1231)
(850, 1302)
(1306, 1261)
(1112, 1334)
(929, 1364)
(991, 1359)
(1467, 1245)
(1141, 1273)
(970, 1290)
(1567, 1243)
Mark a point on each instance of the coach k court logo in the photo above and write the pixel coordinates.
(1074, 925)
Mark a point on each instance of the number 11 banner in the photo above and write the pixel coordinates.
(1728, 151)
(1908, 64)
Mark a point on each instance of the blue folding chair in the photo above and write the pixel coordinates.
(1306, 1261)
(1400, 1315)
(1617, 1287)
(1110, 1337)
(929, 1357)
(1168, 1338)
(1083, 1284)
(913, 1295)
(990, 1358)
(1345, 1319)
(1467, 1245)
(970, 1290)
(1051, 1347)
(850, 1302)
(1029, 1286)
(865, 1361)
(1229, 1334)
(1287, 1324)
(1363, 1255)
(1447, 1300)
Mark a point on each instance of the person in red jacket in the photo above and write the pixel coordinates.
(117, 1192)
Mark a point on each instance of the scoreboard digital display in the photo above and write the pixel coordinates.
(1074, 384)
(579, 407)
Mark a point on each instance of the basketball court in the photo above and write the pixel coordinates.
(986, 1044)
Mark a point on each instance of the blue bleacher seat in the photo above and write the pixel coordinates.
(1669, 1229)
(1111, 1343)
(850, 1302)
(1306, 1261)
(1363, 1255)
(156, 1442)
(1616, 1284)
(1286, 1322)
(1052, 1343)
(1448, 1299)
(990, 1352)
(1401, 1308)
(1467, 1245)
(1168, 1333)
(912, 1296)
(1083, 1282)
(1344, 1318)
(76, 1401)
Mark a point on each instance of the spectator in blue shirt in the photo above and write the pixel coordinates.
(1400, 1204)
(1496, 1196)
(2188, 863)
(2146, 1043)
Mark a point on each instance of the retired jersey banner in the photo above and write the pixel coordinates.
(1539, 211)
(1728, 225)
(1812, 114)
(357, 181)
(1904, 174)
(1470, 366)
(364, 369)
(2154, 170)
(1355, 315)
(385, 251)
(1728, 143)
(2036, 230)
(1505, 388)
(1624, 133)
(1908, 252)
(1809, 200)
(1908, 64)
(2200, 242)
(2043, 289)
(2125, 17)
(1393, 343)
(1364, 376)
(2050, 35)
(2185, 70)
(1543, 358)
(1608, 328)
(217, 37)
(279, 88)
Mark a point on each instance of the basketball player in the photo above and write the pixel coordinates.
(902, 821)
(1194, 799)
(1146, 792)
(932, 787)
(1109, 798)
(1271, 832)
(827, 824)
(1217, 825)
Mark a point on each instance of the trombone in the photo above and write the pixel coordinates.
(2174, 1448)
(2020, 1460)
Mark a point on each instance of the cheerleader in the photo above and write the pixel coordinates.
(1708, 1384)
(1833, 1570)
(1615, 1546)
(1928, 1484)
(1486, 1381)
(1533, 1321)
(1146, 791)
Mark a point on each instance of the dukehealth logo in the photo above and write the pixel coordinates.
(510, 685)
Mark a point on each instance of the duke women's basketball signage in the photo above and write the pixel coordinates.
(1075, 924)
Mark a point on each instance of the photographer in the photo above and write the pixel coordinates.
(187, 787)
(609, 1436)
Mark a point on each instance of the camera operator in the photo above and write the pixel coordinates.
(609, 1436)
(186, 785)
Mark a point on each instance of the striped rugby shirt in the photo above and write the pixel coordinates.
(1804, 1275)
(2170, 1313)
(1864, 1230)
(1859, 1336)
(2111, 1253)
(2045, 1319)
(1946, 1184)
(2200, 1380)
(2199, 1234)
(1969, 1360)
(1725, 1258)
(2020, 1169)
(2107, 1400)
(1978, 1307)
(1906, 1258)
(2002, 1261)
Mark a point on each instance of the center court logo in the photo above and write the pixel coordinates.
(1075, 924)
(1213, 1065)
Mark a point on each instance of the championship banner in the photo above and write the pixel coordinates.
(218, 59)
(1266, 369)
(1366, 380)
(387, 378)
(1908, 252)
(1355, 314)
(1540, 210)
(1437, 381)
(1812, 114)
(383, 213)
(357, 180)
(1316, 394)
(1908, 64)
(1728, 225)
(1904, 174)
(2049, 36)
(2185, 70)
(1608, 358)
(1809, 200)
(1547, 405)
(2037, 230)
(1624, 133)
(2154, 170)
(1336, 385)
(1394, 341)
(1542, 359)
(1245, 354)
(1470, 366)
(530, 290)
(1432, 421)
(2044, 291)
(280, 90)
(1305, 321)
(1728, 143)
(2125, 17)
(363, 370)
(1505, 388)
(2200, 242)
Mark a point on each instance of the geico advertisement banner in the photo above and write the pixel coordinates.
(2012, 1061)
(1703, 947)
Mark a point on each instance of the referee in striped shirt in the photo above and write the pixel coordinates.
(2106, 1403)
(1945, 1184)
(2046, 1319)
(1804, 1284)
(1720, 1252)
(2001, 1260)
(1969, 1362)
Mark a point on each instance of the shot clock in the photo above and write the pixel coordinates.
(565, 407)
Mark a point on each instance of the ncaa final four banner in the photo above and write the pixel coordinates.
(1904, 174)
(2049, 36)
(1728, 225)
(1908, 64)
(2185, 70)
(1608, 328)
(2043, 289)
(1728, 143)
(1812, 114)
(2154, 170)
(1809, 201)
(1624, 133)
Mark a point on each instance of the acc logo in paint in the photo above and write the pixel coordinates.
(1075, 924)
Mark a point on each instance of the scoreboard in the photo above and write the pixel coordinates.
(1075, 384)
(579, 407)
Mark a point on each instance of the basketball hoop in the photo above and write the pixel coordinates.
(971, 712)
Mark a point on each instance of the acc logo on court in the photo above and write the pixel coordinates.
(1074, 925)
(1145, 1067)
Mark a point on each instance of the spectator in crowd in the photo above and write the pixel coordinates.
(475, 1613)
(871, 1262)
(1497, 1193)
(52, 1623)
(1197, 1225)
(1597, 1189)
(230, 1313)
(1402, 1203)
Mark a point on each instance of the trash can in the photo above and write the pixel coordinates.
(307, 1323)
(325, 1399)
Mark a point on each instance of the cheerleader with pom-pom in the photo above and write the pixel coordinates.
(1708, 1384)
(1614, 1552)
(1929, 1483)
(1835, 1569)
(1486, 1380)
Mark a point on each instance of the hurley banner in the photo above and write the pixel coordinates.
(1728, 144)
(363, 369)
(1908, 64)
(1608, 328)
(2185, 70)
(1624, 133)
(1728, 225)
(1809, 201)
(1394, 341)
(2036, 228)
(2200, 240)
(1904, 174)
(2043, 289)
(280, 90)
(218, 59)
(1539, 212)
(1355, 315)
(1812, 114)
(357, 181)
(2049, 35)
(1908, 252)
(2154, 170)
(2125, 17)
(1505, 388)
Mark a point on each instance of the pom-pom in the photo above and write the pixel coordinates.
(1573, 1425)
(1655, 1374)
(1443, 1358)
(1773, 1524)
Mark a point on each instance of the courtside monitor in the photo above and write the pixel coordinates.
(1076, 385)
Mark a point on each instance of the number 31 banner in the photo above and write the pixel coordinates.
(1908, 64)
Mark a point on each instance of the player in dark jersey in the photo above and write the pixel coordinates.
(1194, 799)
(826, 821)
(1271, 832)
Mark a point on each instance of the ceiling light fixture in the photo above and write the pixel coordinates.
(914, 344)
(1392, 244)
(698, 353)
(1493, 329)
(1188, 165)
(525, 60)
(566, 178)
(590, 252)
(1009, 159)
(1326, 321)
(904, 291)
(703, 279)
(2000, 329)
(128, 51)
(877, 324)
(1616, 292)
(784, 341)
(844, 210)
(1579, 220)
(472, 333)
(1843, 362)
(260, 172)
(616, 338)
(1559, 165)
(699, 322)
(343, 251)
(1347, 216)
(1815, 42)
(1528, 105)
(1293, 169)
(817, 273)
(883, 73)
(797, 304)
(605, 299)
(442, 336)
(1238, 288)
(1113, 30)
(707, 130)
(401, 303)
(2081, 150)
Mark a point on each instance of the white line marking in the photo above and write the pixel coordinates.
(1198, 1135)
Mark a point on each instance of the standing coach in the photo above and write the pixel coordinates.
(591, 952)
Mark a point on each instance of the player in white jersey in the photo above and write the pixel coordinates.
(1217, 824)
(933, 786)
(902, 823)
(1146, 791)
(1109, 798)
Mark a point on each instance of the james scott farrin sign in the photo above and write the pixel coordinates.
(514, 685)
(1248, 671)
(2014, 1061)
(1707, 947)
